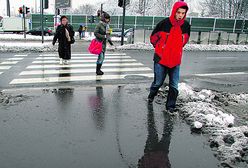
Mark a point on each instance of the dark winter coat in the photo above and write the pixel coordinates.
(101, 35)
(169, 38)
(64, 46)
(80, 29)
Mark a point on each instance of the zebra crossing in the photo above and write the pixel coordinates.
(7, 63)
(82, 67)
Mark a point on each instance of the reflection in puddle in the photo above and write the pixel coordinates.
(156, 151)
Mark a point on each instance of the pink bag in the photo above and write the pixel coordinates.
(95, 47)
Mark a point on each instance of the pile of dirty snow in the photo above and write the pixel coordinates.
(6, 99)
(203, 111)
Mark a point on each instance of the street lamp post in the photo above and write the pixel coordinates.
(144, 10)
(123, 22)
(8, 8)
(42, 19)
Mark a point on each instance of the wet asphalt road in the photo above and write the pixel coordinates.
(103, 126)
(107, 123)
(220, 71)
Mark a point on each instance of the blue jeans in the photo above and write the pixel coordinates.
(83, 34)
(100, 58)
(160, 73)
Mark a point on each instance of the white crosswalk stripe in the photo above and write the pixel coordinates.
(83, 54)
(83, 58)
(15, 59)
(82, 67)
(65, 71)
(21, 55)
(5, 67)
(74, 78)
(83, 61)
(222, 74)
(9, 62)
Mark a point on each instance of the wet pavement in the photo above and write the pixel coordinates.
(220, 71)
(105, 122)
(102, 126)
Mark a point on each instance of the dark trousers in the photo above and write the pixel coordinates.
(160, 73)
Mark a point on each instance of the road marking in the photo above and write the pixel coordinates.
(222, 74)
(47, 55)
(1, 73)
(82, 65)
(14, 59)
(221, 57)
(40, 88)
(5, 67)
(119, 54)
(84, 61)
(68, 71)
(20, 55)
(108, 57)
(74, 78)
(8, 62)
(83, 54)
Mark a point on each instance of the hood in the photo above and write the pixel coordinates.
(176, 6)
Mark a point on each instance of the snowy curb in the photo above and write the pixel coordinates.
(20, 37)
(211, 47)
(188, 47)
(23, 47)
(203, 111)
(113, 39)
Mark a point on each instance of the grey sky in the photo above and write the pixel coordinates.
(15, 4)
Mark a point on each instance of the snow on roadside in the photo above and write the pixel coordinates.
(211, 47)
(20, 46)
(135, 46)
(202, 110)
(89, 37)
(188, 47)
(28, 46)
(20, 37)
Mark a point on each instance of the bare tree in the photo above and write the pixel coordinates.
(86, 9)
(219, 8)
(165, 6)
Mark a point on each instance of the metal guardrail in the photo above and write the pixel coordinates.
(198, 24)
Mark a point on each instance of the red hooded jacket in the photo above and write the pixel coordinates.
(169, 38)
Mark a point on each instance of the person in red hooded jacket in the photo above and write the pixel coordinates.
(168, 38)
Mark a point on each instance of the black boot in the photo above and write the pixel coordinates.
(98, 69)
(171, 99)
(151, 96)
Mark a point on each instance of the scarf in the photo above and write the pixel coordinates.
(67, 35)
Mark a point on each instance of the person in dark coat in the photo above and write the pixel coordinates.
(65, 35)
(83, 31)
(102, 33)
(80, 30)
(168, 38)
